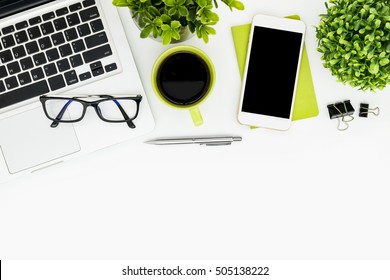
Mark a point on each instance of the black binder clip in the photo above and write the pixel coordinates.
(365, 110)
(341, 110)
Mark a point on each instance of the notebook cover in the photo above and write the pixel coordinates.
(305, 105)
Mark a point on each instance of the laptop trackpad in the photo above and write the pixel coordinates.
(27, 140)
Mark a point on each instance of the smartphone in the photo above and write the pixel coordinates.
(271, 73)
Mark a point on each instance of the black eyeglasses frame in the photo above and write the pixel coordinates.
(94, 104)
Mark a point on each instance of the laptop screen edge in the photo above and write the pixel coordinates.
(11, 7)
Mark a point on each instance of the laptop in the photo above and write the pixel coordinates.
(61, 47)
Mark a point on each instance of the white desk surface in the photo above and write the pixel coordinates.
(309, 193)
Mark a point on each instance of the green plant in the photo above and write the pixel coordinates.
(164, 18)
(354, 37)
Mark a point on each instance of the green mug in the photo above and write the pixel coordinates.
(183, 77)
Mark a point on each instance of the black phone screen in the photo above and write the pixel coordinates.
(272, 70)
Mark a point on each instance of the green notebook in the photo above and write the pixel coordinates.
(305, 105)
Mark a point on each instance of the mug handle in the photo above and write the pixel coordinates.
(196, 116)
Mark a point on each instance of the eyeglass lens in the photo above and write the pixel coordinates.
(111, 109)
(64, 109)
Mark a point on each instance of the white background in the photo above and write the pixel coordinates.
(309, 193)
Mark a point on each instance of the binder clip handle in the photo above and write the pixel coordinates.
(342, 110)
(365, 109)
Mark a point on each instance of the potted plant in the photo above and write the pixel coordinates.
(354, 38)
(171, 19)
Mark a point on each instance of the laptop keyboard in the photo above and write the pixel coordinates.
(53, 52)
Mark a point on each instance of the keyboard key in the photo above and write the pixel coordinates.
(58, 39)
(85, 76)
(34, 32)
(62, 11)
(2, 87)
(21, 37)
(8, 29)
(71, 34)
(39, 59)
(11, 83)
(19, 52)
(71, 77)
(111, 67)
(88, 3)
(89, 14)
(26, 63)
(76, 61)
(44, 43)
(78, 46)
(65, 50)
(21, 25)
(60, 24)
(24, 78)
(84, 30)
(47, 28)
(6, 56)
(73, 19)
(3, 72)
(37, 74)
(52, 54)
(56, 82)
(32, 47)
(48, 16)
(98, 53)
(63, 65)
(8, 41)
(35, 20)
(98, 72)
(13, 68)
(50, 69)
(23, 93)
(75, 7)
(95, 65)
(96, 40)
(97, 25)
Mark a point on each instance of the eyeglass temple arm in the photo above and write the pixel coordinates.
(55, 123)
(129, 122)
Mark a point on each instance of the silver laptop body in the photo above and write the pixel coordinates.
(62, 47)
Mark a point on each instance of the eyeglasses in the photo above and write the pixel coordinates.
(61, 109)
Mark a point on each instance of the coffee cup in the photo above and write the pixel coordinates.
(183, 77)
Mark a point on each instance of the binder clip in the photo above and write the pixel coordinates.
(341, 110)
(365, 110)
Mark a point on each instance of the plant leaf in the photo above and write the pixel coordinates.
(211, 15)
(165, 27)
(172, 11)
(166, 38)
(146, 31)
(170, 3)
(384, 61)
(374, 68)
(120, 3)
(183, 11)
(165, 18)
(238, 5)
(175, 24)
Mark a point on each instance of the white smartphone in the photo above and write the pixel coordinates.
(271, 73)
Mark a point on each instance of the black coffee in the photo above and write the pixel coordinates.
(183, 78)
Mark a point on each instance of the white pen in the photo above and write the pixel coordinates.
(208, 141)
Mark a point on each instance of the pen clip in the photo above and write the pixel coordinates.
(226, 143)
